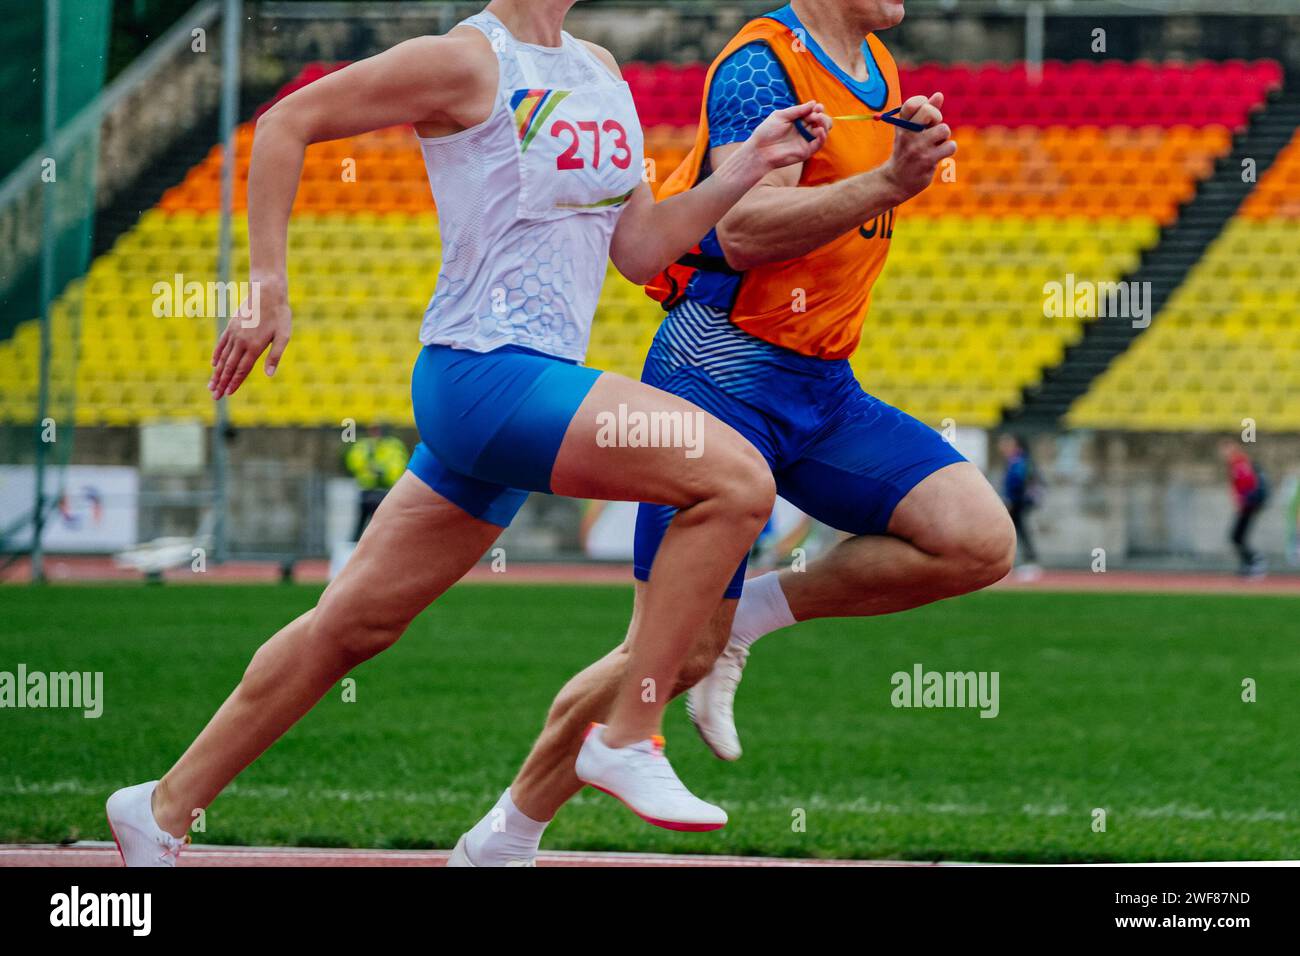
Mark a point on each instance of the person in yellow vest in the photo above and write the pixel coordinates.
(762, 316)
(376, 462)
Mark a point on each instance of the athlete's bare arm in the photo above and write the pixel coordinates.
(780, 220)
(440, 84)
(651, 236)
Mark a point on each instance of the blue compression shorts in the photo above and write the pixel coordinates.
(491, 424)
(838, 454)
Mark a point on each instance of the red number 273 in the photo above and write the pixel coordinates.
(570, 158)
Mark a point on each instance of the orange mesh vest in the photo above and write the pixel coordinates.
(815, 304)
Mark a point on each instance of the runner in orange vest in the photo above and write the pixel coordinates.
(762, 316)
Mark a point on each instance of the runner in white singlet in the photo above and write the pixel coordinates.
(535, 159)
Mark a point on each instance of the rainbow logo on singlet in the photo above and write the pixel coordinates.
(531, 108)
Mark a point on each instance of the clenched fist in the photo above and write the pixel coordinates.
(916, 155)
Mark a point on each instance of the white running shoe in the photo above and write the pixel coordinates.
(641, 776)
(460, 856)
(711, 703)
(139, 838)
(1029, 572)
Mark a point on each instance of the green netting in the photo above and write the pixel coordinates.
(51, 198)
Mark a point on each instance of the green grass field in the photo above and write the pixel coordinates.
(1131, 703)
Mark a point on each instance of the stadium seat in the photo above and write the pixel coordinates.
(1075, 173)
(1226, 347)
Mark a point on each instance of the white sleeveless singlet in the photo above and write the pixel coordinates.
(528, 200)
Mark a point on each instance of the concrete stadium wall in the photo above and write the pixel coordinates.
(1147, 499)
(1152, 498)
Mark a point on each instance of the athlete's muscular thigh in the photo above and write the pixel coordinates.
(954, 509)
(417, 545)
(704, 454)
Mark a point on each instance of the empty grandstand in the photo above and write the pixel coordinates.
(1071, 172)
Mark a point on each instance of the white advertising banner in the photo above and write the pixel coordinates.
(96, 511)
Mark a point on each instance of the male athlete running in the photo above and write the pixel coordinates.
(762, 318)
